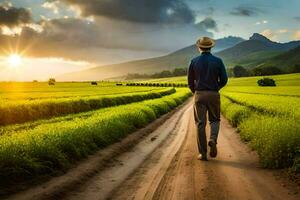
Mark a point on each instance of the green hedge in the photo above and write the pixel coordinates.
(42, 109)
(150, 84)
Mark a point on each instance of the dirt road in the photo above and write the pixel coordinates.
(164, 165)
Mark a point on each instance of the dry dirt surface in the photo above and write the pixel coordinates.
(163, 165)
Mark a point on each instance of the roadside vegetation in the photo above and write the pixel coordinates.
(267, 117)
(30, 151)
(269, 124)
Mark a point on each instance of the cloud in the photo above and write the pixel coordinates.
(282, 31)
(269, 34)
(246, 11)
(106, 37)
(139, 11)
(207, 23)
(297, 19)
(261, 22)
(53, 6)
(102, 41)
(12, 17)
(296, 35)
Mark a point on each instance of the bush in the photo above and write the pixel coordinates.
(239, 71)
(94, 83)
(51, 81)
(266, 82)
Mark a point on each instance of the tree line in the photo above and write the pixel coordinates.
(162, 74)
(240, 71)
(236, 71)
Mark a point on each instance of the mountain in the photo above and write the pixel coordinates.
(257, 51)
(178, 58)
(254, 51)
(285, 60)
(221, 44)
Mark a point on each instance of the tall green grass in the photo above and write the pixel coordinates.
(24, 111)
(274, 135)
(275, 105)
(47, 148)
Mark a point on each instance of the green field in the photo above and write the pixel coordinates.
(44, 129)
(41, 90)
(23, 102)
(267, 117)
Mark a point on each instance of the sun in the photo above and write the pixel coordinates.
(14, 60)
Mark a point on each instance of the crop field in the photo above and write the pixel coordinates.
(281, 80)
(266, 117)
(47, 128)
(41, 90)
(45, 101)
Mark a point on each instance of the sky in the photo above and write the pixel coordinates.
(77, 34)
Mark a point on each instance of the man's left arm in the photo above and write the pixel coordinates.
(223, 75)
(191, 78)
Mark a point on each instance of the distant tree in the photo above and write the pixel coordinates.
(179, 71)
(239, 71)
(51, 81)
(35, 81)
(264, 71)
(266, 82)
(294, 69)
(136, 75)
(94, 83)
(161, 74)
(230, 72)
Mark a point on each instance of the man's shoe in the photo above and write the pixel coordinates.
(202, 157)
(213, 148)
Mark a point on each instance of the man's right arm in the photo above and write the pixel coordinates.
(191, 78)
(223, 75)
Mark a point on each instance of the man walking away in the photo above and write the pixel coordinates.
(206, 76)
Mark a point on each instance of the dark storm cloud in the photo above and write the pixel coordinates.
(142, 11)
(78, 39)
(10, 16)
(207, 23)
(151, 26)
(246, 11)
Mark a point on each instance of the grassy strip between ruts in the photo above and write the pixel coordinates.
(53, 147)
(21, 112)
(275, 137)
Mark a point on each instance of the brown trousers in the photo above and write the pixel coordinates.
(206, 102)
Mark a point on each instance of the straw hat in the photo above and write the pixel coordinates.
(205, 43)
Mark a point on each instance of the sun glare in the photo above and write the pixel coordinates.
(14, 60)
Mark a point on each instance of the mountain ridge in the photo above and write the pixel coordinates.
(256, 51)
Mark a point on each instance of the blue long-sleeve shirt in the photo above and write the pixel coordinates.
(207, 72)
